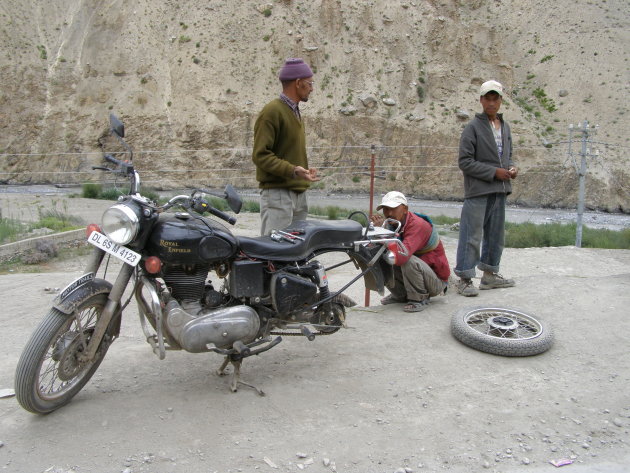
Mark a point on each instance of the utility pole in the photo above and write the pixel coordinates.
(371, 209)
(586, 131)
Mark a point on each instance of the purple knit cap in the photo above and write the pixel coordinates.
(294, 68)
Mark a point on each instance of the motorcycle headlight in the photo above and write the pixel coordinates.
(121, 224)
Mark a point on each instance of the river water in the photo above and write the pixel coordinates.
(516, 214)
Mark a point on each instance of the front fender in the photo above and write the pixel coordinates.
(79, 291)
(381, 273)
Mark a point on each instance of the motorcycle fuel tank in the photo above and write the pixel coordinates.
(186, 239)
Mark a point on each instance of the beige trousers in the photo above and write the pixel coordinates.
(279, 207)
(415, 281)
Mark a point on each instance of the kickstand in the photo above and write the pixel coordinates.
(236, 375)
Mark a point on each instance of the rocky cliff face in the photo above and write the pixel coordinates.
(190, 78)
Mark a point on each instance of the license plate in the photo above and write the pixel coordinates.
(123, 253)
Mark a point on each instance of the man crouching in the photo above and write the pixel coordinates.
(424, 272)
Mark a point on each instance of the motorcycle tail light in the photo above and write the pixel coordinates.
(153, 265)
(92, 227)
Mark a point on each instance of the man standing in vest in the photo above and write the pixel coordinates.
(280, 151)
(424, 271)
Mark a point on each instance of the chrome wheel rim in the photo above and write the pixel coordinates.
(503, 323)
(61, 367)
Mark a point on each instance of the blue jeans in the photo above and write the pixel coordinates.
(482, 224)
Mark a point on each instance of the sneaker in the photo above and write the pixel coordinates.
(466, 288)
(495, 281)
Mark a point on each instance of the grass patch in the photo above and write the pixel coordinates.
(530, 235)
(331, 211)
(13, 230)
(251, 206)
(110, 194)
(91, 191)
(57, 221)
(9, 229)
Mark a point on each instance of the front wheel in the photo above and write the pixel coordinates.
(51, 370)
(501, 331)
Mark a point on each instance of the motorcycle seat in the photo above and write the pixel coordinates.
(316, 234)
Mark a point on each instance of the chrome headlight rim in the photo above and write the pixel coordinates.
(389, 257)
(121, 224)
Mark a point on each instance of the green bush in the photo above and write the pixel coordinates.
(332, 212)
(110, 194)
(547, 103)
(610, 239)
(219, 204)
(420, 91)
(154, 196)
(251, 206)
(91, 191)
(529, 235)
(58, 221)
(9, 228)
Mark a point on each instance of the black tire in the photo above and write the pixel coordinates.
(332, 324)
(501, 331)
(48, 374)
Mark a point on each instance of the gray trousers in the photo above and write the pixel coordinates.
(415, 281)
(482, 225)
(279, 207)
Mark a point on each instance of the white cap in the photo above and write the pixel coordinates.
(491, 86)
(392, 200)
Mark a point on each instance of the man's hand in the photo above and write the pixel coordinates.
(513, 172)
(502, 174)
(306, 174)
(377, 220)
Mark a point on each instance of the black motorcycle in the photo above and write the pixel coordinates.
(264, 288)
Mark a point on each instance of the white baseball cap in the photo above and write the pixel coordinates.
(491, 86)
(392, 200)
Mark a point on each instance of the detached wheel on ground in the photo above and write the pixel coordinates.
(501, 331)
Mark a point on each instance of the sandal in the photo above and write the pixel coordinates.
(392, 300)
(416, 306)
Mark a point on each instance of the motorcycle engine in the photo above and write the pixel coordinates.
(186, 283)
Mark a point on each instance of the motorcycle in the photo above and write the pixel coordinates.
(262, 288)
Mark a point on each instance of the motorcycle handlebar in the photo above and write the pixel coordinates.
(111, 159)
(222, 215)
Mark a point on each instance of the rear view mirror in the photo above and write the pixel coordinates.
(116, 126)
(233, 199)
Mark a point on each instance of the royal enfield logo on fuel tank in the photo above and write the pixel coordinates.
(173, 247)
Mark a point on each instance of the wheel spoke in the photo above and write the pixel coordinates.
(51, 383)
(496, 324)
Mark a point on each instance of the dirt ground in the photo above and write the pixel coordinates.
(393, 393)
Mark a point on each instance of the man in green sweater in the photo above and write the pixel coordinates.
(280, 151)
